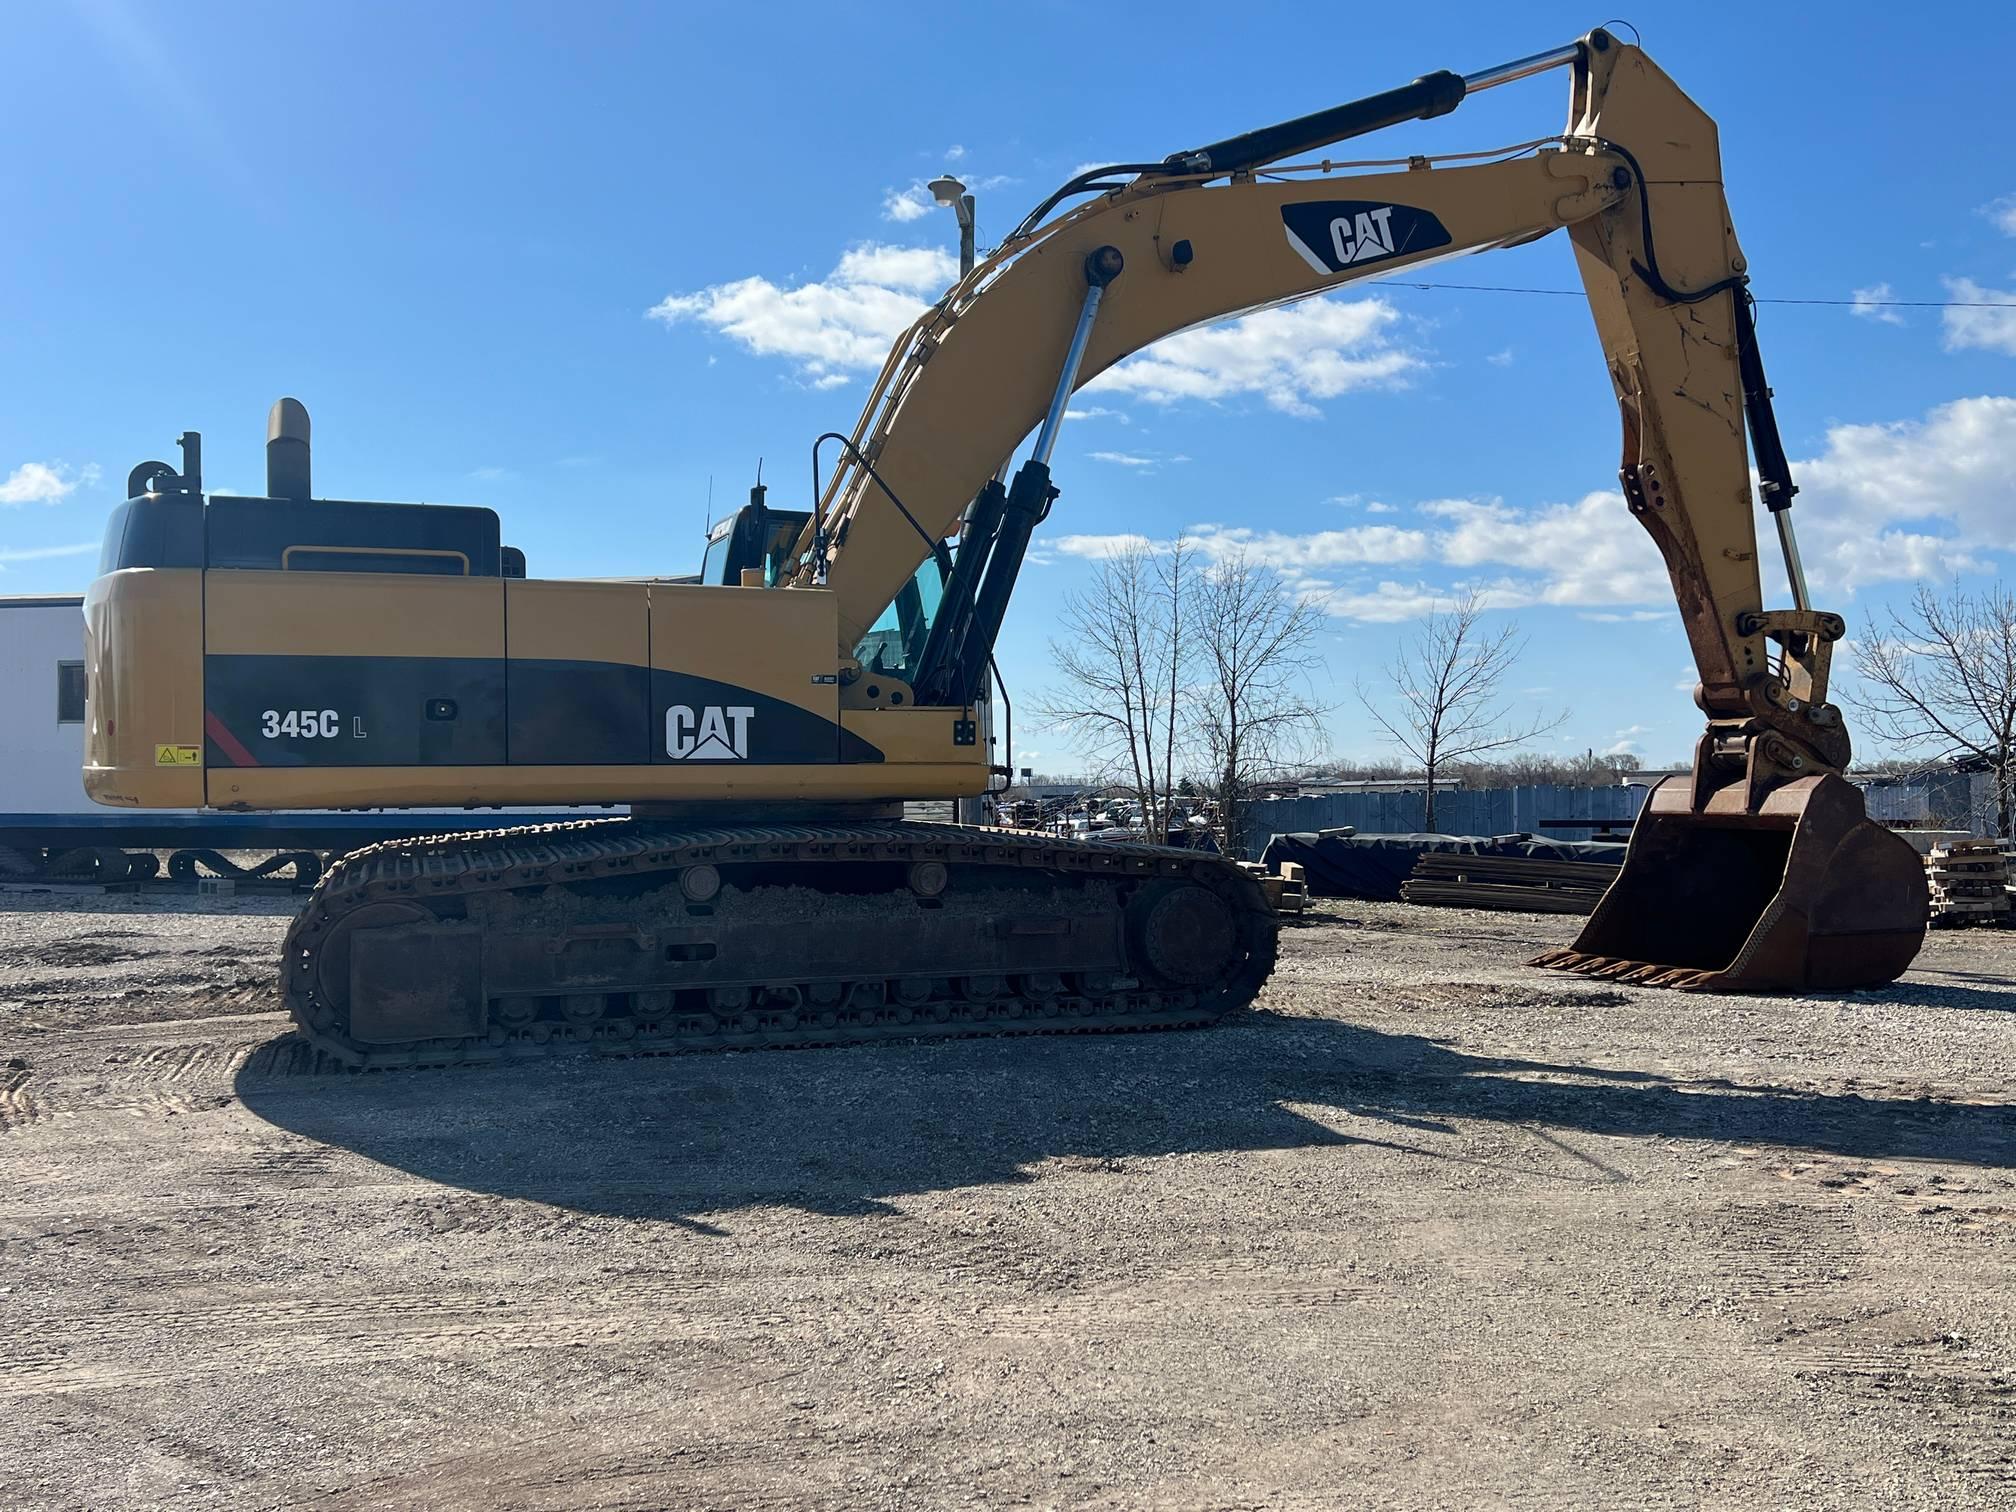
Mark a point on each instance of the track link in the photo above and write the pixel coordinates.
(619, 888)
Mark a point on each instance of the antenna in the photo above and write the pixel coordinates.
(707, 517)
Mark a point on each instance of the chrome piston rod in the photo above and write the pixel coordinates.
(1101, 268)
(1794, 568)
(1522, 68)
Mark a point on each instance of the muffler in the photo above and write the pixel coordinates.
(1805, 894)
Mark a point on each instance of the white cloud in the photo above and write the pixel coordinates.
(1628, 740)
(1131, 459)
(1588, 552)
(1375, 507)
(45, 482)
(844, 323)
(1094, 412)
(954, 153)
(1288, 357)
(44, 553)
(1991, 330)
(905, 205)
(1322, 549)
(1870, 304)
(493, 474)
(1098, 547)
(2003, 213)
(1500, 358)
(1386, 603)
(1885, 502)
(1947, 475)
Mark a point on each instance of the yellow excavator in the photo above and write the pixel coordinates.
(765, 721)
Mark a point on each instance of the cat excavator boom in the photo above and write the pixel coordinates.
(831, 661)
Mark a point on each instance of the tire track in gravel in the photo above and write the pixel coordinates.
(168, 1068)
(18, 1106)
(164, 1345)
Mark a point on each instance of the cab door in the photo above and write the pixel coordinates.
(744, 676)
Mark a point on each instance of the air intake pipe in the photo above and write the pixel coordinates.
(287, 469)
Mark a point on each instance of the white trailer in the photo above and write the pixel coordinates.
(42, 707)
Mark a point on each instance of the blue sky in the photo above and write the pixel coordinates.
(446, 228)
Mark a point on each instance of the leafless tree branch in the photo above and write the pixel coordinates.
(1448, 680)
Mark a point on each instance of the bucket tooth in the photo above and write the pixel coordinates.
(1804, 894)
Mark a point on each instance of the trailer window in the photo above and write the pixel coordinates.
(70, 692)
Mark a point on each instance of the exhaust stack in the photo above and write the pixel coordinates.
(287, 463)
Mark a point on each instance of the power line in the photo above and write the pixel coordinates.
(1861, 304)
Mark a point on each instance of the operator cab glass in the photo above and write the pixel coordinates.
(894, 644)
(755, 536)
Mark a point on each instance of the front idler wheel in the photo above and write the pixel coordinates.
(1183, 934)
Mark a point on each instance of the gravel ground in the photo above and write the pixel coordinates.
(1425, 1229)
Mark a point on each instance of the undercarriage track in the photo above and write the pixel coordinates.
(641, 937)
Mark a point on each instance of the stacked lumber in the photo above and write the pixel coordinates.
(1287, 890)
(1969, 881)
(1515, 883)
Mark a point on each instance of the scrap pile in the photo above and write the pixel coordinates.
(1970, 883)
(1517, 883)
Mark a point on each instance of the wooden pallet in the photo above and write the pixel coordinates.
(1969, 881)
(1971, 905)
(1287, 891)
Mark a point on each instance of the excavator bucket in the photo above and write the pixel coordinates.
(1806, 894)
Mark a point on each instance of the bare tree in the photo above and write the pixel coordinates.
(1448, 680)
(1939, 681)
(1251, 709)
(1124, 661)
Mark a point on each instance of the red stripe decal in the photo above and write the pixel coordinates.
(226, 742)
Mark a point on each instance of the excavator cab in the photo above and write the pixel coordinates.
(755, 538)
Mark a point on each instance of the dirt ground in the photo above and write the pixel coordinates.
(1425, 1229)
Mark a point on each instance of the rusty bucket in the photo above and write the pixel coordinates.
(1806, 894)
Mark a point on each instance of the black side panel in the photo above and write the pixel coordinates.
(154, 530)
(452, 711)
(257, 533)
(579, 713)
(696, 719)
(362, 711)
